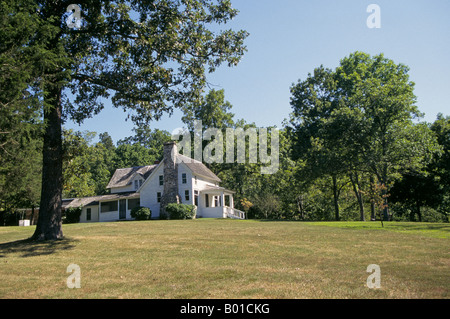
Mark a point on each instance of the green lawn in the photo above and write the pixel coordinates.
(209, 258)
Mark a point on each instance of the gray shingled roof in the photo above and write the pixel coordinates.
(122, 176)
(94, 200)
(217, 188)
(197, 167)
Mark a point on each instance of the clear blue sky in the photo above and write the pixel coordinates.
(289, 38)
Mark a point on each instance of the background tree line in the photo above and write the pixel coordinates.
(352, 147)
(148, 57)
(318, 179)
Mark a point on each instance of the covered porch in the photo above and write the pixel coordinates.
(216, 202)
(105, 208)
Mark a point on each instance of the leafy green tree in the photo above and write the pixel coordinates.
(430, 186)
(415, 191)
(77, 160)
(213, 110)
(359, 119)
(152, 140)
(20, 171)
(131, 155)
(20, 123)
(106, 140)
(380, 96)
(102, 164)
(440, 165)
(148, 57)
(314, 102)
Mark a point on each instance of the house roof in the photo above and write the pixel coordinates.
(217, 189)
(197, 167)
(123, 176)
(94, 200)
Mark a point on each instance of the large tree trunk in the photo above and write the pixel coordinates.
(49, 225)
(300, 206)
(419, 213)
(386, 216)
(384, 192)
(373, 215)
(356, 189)
(336, 198)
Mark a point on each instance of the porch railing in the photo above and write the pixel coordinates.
(234, 213)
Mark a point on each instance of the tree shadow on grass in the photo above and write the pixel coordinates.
(30, 248)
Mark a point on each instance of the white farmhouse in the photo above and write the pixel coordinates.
(176, 179)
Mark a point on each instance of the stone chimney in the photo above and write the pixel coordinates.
(170, 194)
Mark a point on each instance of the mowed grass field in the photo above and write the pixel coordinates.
(211, 258)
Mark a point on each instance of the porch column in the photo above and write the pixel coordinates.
(222, 199)
(222, 204)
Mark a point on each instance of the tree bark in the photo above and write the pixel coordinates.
(386, 207)
(49, 225)
(419, 213)
(373, 216)
(356, 190)
(384, 192)
(300, 207)
(335, 198)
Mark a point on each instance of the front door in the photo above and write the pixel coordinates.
(122, 209)
(196, 198)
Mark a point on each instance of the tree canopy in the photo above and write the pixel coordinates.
(147, 57)
(354, 139)
(359, 119)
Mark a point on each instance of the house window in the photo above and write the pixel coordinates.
(186, 195)
(216, 201)
(140, 182)
(206, 200)
(158, 197)
(136, 184)
(132, 203)
(161, 180)
(183, 178)
(88, 214)
(109, 207)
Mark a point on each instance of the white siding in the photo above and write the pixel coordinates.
(182, 188)
(213, 212)
(94, 214)
(150, 189)
(102, 217)
(148, 193)
(109, 216)
(128, 188)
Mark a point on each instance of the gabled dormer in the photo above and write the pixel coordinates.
(129, 179)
